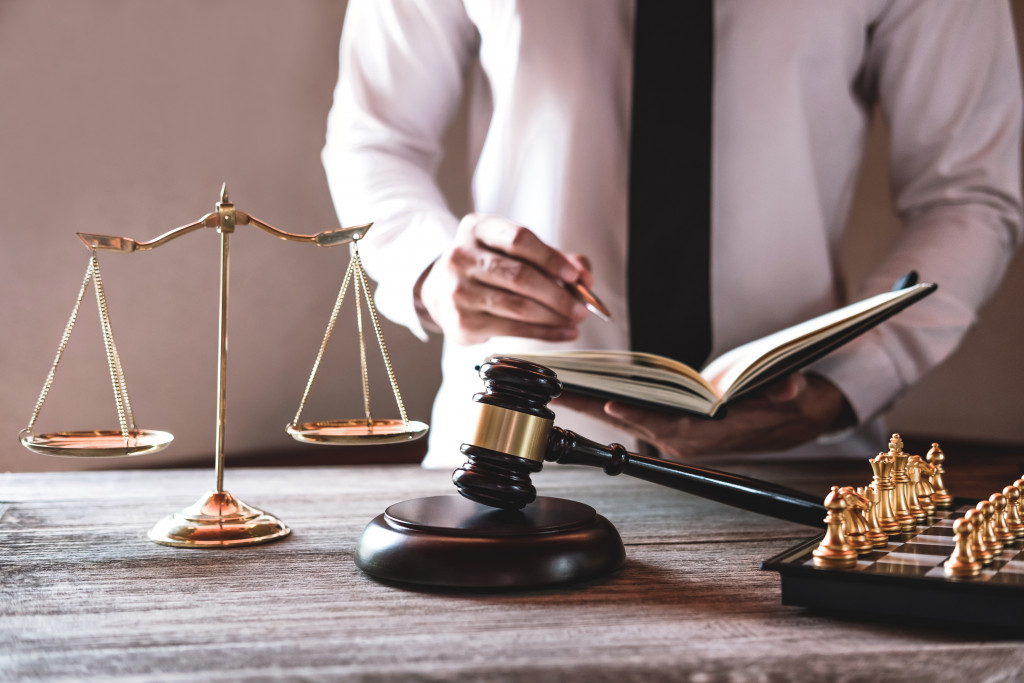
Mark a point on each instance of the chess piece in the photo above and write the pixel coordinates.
(1013, 518)
(878, 538)
(979, 548)
(855, 518)
(881, 466)
(924, 489)
(1019, 485)
(901, 509)
(999, 524)
(834, 552)
(914, 506)
(936, 458)
(498, 534)
(988, 529)
(962, 563)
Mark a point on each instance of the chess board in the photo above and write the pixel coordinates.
(906, 580)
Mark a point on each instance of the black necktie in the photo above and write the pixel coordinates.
(670, 179)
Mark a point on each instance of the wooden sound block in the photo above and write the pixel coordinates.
(453, 542)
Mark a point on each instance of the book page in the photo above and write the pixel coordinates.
(627, 365)
(730, 371)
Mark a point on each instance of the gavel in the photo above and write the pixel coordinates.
(515, 435)
(499, 534)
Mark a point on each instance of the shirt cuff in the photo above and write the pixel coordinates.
(866, 374)
(396, 256)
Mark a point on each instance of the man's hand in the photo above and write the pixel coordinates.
(499, 279)
(788, 413)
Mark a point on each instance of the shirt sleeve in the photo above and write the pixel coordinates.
(947, 80)
(400, 79)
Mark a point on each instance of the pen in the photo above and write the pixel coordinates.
(590, 300)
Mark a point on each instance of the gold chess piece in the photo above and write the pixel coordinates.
(923, 487)
(881, 466)
(878, 538)
(1013, 518)
(1019, 485)
(913, 502)
(936, 458)
(856, 521)
(999, 523)
(988, 529)
(834, 552)
(978, 546)
(901, 482)
(962, 563)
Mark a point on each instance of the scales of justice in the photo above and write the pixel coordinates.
(218, 519)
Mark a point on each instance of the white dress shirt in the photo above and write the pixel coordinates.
(795, 84)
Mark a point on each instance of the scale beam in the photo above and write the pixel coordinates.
(224, 219)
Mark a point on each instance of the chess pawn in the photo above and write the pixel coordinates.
(834, 552)
(1019, 485)
(978, 546)
(881, 466)
(901, 509)
(855, 520)
(924, 486)
(962, 563)
(988, 530)
(878, 538)
(1013, 518)
(914, 506)
(936, 458)
(999, 523)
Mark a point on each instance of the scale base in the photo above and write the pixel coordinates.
(453, 542)
(218, 520)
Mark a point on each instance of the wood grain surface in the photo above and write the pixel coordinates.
(85, 596)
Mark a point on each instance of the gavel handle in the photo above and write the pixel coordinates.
(569, 448)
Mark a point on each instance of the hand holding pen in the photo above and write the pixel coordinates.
(500, 279)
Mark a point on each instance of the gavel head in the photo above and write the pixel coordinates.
(511, 436)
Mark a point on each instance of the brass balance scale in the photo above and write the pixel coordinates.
(218, 519)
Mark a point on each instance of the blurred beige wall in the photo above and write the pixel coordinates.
(124, 117)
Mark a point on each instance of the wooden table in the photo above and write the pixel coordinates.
(84, 595)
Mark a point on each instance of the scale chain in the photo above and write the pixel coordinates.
(323, 344)
(60, 349)
(361, 274)
(126, 419)
(362, 340)
(124, 408)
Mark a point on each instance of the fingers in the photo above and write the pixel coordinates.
(787, 413)
(499, 279)
(511, 288)
(789, 388)
(521, 244)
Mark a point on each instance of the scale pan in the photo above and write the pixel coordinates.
(357, 431)
(98, 443)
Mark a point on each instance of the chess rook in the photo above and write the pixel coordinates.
(514, 436)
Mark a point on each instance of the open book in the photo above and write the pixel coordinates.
(669, 385)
